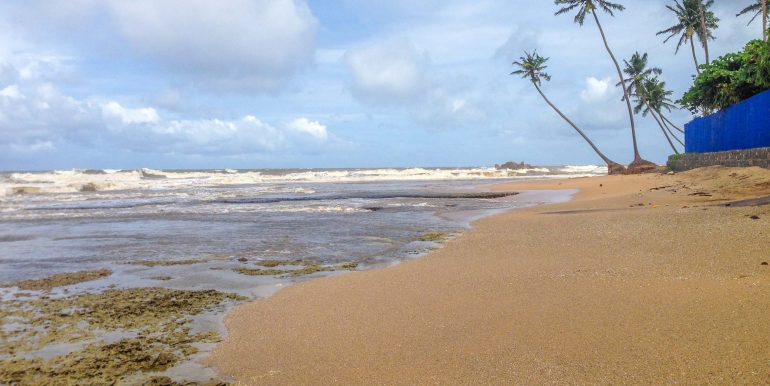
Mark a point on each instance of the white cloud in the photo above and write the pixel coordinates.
(229, 44)
(597, 89)
(397, 74)
(114, 112)
(388, 73)
(313, 128)
(11, 92)
(36, 116)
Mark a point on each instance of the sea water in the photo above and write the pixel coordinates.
(64, 221)
(224, 220)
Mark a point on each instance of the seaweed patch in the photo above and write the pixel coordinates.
(60, 280)
(155, 324)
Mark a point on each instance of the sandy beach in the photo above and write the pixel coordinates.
(638, 280)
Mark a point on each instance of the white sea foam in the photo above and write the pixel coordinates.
(68, 181)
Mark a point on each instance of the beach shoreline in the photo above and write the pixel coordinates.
(606, 288)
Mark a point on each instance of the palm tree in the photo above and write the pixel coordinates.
(532, 67)
(638, 73)
(585, 7)
(693, 20)
(759, 9)
(705, 31)
(660, 98)
(656, 98)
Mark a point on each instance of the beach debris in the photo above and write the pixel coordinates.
(60, 280)
(754, 217)
(161, 278)
(764, 263)
(243, 259)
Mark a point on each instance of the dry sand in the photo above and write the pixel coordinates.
(637, 280)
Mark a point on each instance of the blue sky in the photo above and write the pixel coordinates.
(321, 83)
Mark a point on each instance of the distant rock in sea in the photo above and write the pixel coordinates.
(510, 165)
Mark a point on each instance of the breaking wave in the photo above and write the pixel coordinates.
(77, 180)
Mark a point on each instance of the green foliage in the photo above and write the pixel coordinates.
(532, 66)
(730, 79)
(689, 23)
(584, 7)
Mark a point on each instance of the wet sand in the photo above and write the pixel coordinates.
(638, 279)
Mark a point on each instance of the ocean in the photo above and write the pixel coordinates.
(62, 221)
(248, 232)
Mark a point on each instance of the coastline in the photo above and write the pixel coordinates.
(636, 279)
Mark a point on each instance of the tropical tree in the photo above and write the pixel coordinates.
(659, 98)
(588, 7)
(693, 20)
(638, 74)
(758, 9)
(707, 23)
(532, 67)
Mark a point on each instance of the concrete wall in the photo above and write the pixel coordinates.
(734, 158)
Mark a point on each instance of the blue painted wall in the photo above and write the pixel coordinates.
(744, 125)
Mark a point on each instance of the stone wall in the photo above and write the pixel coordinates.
(733, 158)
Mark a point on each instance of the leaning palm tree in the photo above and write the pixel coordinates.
(638, 73)
(584, 8)
(708, 22)
(659, 98)
(532, 67)
(693, 20)
(646, 104)
(758, 9)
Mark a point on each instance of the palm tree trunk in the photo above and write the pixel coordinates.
(637, 157)
(669, 129)
(652, 112)
(574, 126)
(704, 32)
(694, 57)
(764, 20)
(671, 123)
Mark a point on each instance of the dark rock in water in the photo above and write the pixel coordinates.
(150, 176)
(373, 208)
(26, 190)
(510, 165)
(243, 259)
(89, 187)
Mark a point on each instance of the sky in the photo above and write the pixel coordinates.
(324, 83)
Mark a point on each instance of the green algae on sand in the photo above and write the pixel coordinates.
(60, 280)
(308, 268)
(433, 236)
(155, 324)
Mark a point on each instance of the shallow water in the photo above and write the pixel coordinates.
(225, 220)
